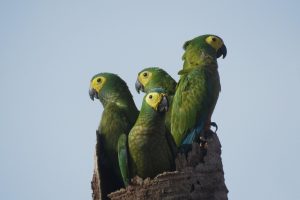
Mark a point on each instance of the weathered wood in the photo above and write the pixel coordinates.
(196, 177)
(96, 179)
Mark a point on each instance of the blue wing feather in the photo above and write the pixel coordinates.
(195, 133)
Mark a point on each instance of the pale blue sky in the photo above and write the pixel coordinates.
(49, 50)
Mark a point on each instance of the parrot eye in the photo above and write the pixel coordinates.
(214, 39)
(150, 96)
(145, 74)
(99, 80)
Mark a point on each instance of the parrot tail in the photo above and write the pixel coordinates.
(194, 134)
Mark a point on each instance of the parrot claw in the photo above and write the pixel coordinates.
(203, 145)
(206, 137)
(215, 125)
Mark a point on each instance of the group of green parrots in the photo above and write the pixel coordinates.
(173, 115)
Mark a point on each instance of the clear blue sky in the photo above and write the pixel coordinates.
(49, 50)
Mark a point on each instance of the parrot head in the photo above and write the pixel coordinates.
(209, 44)
(157, 101)
(97, 83)
(107, 86)
(154, 77)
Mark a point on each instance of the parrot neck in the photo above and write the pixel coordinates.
(203, 61)
(123, 101)
(170, 86)
(117, 97)
(210, 67)
(129, 107)
(167, 84)
(151, 119)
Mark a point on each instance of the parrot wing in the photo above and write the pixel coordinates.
(105, 172)
(172, 146)
(190, 106)
(123, 158)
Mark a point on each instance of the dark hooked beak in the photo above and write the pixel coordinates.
(222, 51)
(139, 86)
(163, 105)
(93, 94)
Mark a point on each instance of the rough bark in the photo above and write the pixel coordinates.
(196, 177)
(95, 184)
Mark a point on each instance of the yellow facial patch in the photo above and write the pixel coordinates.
(214, 41)
(97, 83)
(154, 98)
(144, 77)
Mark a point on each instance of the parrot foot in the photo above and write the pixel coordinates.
(205, 136)
(215, 125)
(203, 140)
(203, 145)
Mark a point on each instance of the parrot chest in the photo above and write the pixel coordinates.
(149, 152)
(194, 101)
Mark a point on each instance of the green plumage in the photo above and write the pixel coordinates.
(118, 117)
(149, 147)
(123, 159)
(159, 79)
(198, 89)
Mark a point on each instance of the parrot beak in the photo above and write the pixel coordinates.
(139, 86)
(93, 94)
(222, 51)
(163, 105)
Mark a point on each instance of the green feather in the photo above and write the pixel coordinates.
(118, 117)
(161, 79)
(123, 159)
(197, 91)
(149, 149)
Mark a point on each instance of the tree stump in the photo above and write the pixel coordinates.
(196, 177)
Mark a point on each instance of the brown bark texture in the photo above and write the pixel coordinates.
(196, 177)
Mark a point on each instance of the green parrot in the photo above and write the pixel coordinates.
(148, 147)
(198, 89)
(154, 77)
(118, 117)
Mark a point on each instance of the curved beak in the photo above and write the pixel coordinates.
(93, 94)
(163, 105)
(222, 51)
(139, 86)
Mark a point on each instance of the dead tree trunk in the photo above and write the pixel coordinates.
(196, 177)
